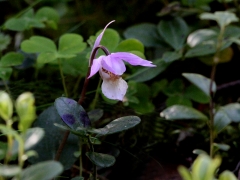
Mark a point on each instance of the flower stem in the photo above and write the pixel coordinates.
(92, 106)
(63, 79)
(80, 158)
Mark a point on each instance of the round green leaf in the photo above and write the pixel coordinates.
(11, 59)
(118, 125)
(71, 44)
(201, 82)
(46, 57)
(101, 160)
(227, 175)
(42, 171)
(38, 44)
(15, 24)
(146, 33)
(47, 14)
(130, 45)
(178, 112)
(174, 32)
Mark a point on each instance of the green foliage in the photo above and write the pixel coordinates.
(101, 160)
(6, 106)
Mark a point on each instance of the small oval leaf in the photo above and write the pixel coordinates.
(101, 160)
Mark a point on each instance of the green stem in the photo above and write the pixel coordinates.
(93, 105)
(63, 79)
(10, 142)
(212, 78)
(94, 166)
(80, 158)
(76, 85)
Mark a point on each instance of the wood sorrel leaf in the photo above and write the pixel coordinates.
(118, 125)
(101, 160)
(11, 59)
(130, 45)
(5, 73)
(178, 112)
(4, 41)
(71, 44)
(201, 82)
(38, 44)
(174, 32)
(72, 113)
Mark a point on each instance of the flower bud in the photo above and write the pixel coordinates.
(6, 106)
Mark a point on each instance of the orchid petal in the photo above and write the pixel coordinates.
(99, 38)
(114, 89)
(96, 65)
(115, 66)
(131, 59)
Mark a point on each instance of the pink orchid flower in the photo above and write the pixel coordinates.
(111, 67)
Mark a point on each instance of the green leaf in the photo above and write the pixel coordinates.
(146, 73)
(178, 99)
(71, 44)
(195, 3)
(11, 59)
(38, 44)
(101, 160)
(6, 106)
(201, 50)
(185, 174)
(47, 57)
(42, 171)
(223, 147)
(9, 170)
(78, 178)
(146, 33)
(4, 41)
(196, 94)
(48, 146)
(130, 45)
(15, 24)
(174, 32)
(233, 111)
(201, 35)
(72, 113)
(178, 112)
(171, 56)
(5, 73)
(201, 82)
(118, 125)
(176, 87)
(47, 14)
(95, 114)
(227, 175)
(223, 18)
(221, 120)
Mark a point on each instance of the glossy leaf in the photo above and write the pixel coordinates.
(180, 112)
(101, 160)
(201, 82)
(146, 33)
(233, 111)
(174, 32)
(145, 73)
(72, 113)
(11, 59)
(118, 125)
(48, 146)
(223, 18)
(42, 171)
(200, 36)
(201, 50)
(71, 44)
(38, 44)
(9, 170)
(221, 120)
(171, 56)
(195, 94)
